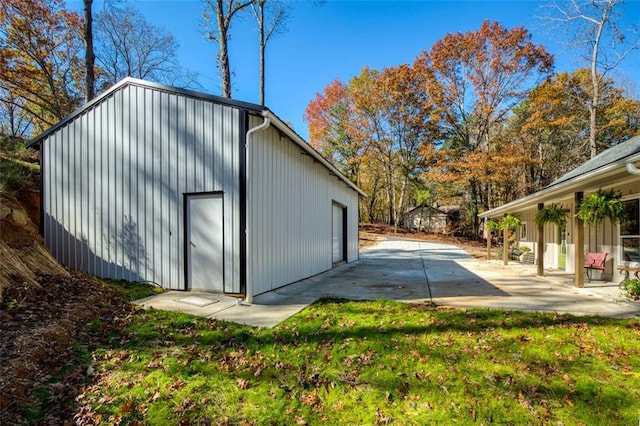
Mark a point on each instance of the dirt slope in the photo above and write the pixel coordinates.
(21, 248)
(45, 312)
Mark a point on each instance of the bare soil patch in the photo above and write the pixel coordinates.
(47, 316)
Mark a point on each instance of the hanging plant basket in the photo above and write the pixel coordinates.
(601, 205)
(510, 222)
(554, 213)
(492, 226)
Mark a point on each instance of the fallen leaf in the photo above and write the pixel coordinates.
(242, 383)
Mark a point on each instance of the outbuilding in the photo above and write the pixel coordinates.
(191, 191)
(442, 219)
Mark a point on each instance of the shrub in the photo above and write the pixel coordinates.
(17, 176)
(631, 289)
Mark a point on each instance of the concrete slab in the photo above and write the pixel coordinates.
(417, 271)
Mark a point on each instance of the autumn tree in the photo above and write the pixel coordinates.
(393, 116)
(551, 123)
(331, 120)
(271, 17)
(373, 128)
(218, 16)
(475, 79)
(596, 29)
(40, 65)
(333, 131)
(127, 45)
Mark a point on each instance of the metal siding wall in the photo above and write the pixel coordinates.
(114, 181)
(289, 220)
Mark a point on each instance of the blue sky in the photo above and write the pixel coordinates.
(336, 39)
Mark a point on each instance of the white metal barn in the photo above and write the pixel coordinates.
(191, 191)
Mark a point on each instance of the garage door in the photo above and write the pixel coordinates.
(205, 247)
(338, 233)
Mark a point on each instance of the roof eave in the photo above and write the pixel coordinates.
(297, 139)
(130, 81)
(564, 188)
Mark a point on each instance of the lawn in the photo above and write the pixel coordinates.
(344, 362)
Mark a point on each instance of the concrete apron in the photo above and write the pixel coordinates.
(414, 272)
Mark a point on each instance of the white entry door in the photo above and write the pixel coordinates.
(205, 248)
(338, 233)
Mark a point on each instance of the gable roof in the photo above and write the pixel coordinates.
(130, 81)
(615, 154)
(252, 108)
(441, 209)
(593, 173)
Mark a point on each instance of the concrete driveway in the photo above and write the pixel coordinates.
(415, 271)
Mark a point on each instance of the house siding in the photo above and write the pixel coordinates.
(290, 212)
(115, 179)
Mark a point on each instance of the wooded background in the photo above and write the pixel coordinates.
(478, 119)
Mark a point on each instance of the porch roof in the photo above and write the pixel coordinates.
(606, 169)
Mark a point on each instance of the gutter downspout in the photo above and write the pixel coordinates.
(631, 168)
(250, 132)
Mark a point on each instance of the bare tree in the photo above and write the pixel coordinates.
(89, 56)
(595, 25)
(129, 46)
(13, 121)
(270, 23)
(217, 16)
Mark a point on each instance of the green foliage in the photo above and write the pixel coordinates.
(493, 226)
(422, 196)
(347, 362)
(601, 205)
(552, 214)
(17, 176)
(510, 222)
(11, 144)
(631, 289)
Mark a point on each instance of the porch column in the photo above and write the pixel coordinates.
(578, 240)
(505, 246)
(540, 245)
(487, 234)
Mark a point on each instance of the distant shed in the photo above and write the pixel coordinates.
(441, 219)
(192, 191)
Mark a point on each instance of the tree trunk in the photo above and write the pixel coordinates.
(474, 207)
(595, 98)
(89, 57)
(223, 54)
(262, 48)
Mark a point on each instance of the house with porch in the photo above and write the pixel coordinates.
(565, 248)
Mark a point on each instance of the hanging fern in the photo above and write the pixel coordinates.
(510, 222)
(552, 214)
(492, 226)
(601, 205)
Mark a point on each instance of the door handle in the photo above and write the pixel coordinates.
(192, 245)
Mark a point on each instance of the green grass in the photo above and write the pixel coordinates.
(17, 176)
(131, 291)
(342, 362)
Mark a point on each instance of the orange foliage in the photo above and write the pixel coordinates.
(40, 64)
